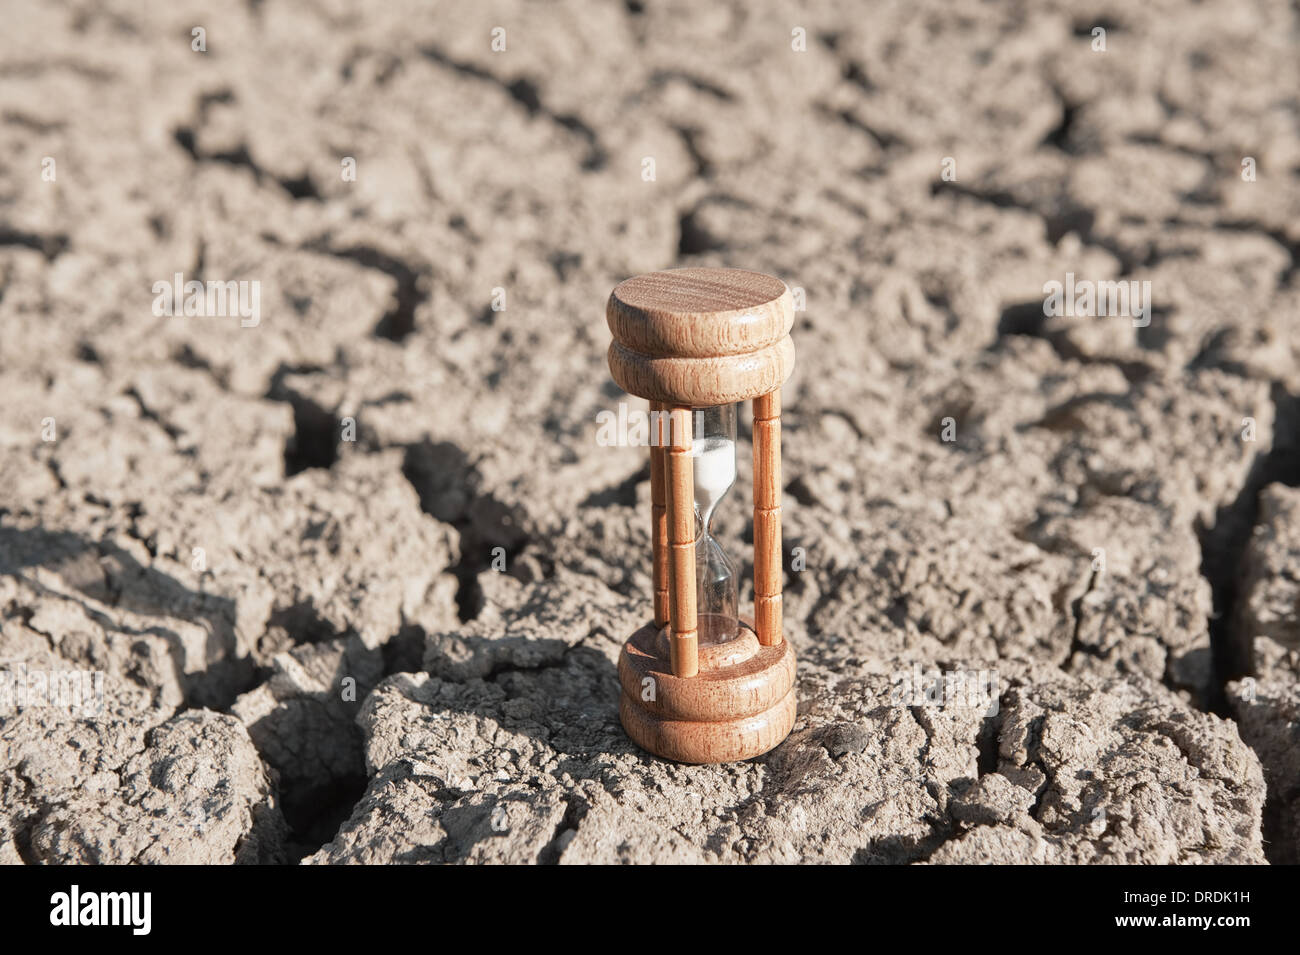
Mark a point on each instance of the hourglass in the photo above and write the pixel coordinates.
(701, 683)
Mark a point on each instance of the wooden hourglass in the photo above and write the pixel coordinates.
(700, 684)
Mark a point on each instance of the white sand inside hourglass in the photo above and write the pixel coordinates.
(715, 471)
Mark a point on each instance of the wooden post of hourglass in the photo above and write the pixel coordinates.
(659, 510)
(697, 338)
(684, 634)
(767, 518)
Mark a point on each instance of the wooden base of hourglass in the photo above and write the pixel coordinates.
(741, 703)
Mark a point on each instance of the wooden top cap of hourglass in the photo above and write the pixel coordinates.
(701, 336)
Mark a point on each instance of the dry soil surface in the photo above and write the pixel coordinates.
(356, 576)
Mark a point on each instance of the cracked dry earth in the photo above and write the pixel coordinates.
(307, 652)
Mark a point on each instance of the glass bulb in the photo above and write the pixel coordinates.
(713, 451)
